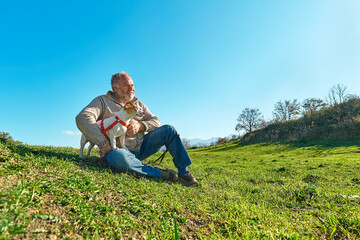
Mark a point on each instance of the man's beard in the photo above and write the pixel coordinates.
(126, 97)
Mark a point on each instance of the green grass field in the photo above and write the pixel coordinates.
(255, 191)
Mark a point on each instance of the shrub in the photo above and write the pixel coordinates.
(337, 122)
(5, 138)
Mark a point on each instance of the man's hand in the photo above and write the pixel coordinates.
(134, 127)
(104, 150)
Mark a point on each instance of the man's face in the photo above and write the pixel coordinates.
(125, 89)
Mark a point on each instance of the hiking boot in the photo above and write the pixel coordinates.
(188, 180)
(168, 174)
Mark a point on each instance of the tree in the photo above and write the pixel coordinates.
(6, 138)
(186, 143)
(221, 140)
(337, 95)
(234, 137)
(287, 110)
(249, 119)
(310, 105)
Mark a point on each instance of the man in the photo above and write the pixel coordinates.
(140, 145)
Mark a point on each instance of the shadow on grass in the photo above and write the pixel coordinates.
(92, 163)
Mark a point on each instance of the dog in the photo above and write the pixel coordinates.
(114, 127)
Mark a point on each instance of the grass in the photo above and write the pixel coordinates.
(247, 191)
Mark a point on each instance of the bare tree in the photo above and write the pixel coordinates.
(186, 143)
(280, 113)
(221, 140)
(337, 95)
(286, 110)
(249, 119)
(310, 105)
(352, 96)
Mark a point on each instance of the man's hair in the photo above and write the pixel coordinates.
(118, 76)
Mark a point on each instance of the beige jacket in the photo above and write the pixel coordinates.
(106, 106)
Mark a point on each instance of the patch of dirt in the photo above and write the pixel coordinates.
(192, 227)
(9, 180)
(351, 196)
(50, 222)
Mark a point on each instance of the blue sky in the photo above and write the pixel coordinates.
(195, 64)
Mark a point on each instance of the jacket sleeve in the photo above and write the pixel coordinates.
(86, 122)
(149, 120)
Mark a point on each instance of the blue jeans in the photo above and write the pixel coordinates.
(127, 161)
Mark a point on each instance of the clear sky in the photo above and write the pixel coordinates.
(195, 64)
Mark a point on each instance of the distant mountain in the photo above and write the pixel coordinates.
(197, 142)
(201, 142)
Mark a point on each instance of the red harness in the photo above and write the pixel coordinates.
(111, 126)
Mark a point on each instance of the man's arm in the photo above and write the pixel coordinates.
(86, 122)
(149, 120)
(147, 123)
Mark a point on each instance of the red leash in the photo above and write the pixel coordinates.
(111, 126)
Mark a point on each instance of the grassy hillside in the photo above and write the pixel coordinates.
(255, 191)
(339, 122)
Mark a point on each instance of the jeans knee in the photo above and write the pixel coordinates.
(119, 159)
(170, 129)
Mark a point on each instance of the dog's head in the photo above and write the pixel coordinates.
(132, 108)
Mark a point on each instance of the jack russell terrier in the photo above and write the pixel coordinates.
(114, 127)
